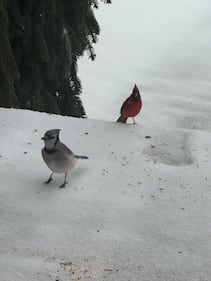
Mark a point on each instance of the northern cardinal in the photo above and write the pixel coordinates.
(131, 107)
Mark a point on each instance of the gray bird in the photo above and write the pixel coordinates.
(57, 156)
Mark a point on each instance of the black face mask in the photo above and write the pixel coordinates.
(135, 99)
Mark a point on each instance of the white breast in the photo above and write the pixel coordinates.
(59, 161)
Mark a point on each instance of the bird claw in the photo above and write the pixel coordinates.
(48, 181)
(63, 185)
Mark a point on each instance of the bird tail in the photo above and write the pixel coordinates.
(81, 157)
(122, 119)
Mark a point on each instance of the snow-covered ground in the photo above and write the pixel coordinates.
(163, 46)
(139, 208)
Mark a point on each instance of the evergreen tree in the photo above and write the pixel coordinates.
(40, 43)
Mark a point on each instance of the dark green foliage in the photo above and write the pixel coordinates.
(8, 69)
(40, 43)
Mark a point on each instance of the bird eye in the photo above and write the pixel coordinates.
(49, 137)
(52, 137)
(135, 98)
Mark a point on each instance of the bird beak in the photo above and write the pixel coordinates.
(44, 138)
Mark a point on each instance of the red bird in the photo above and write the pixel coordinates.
(131, 107)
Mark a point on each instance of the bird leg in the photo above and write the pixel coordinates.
(64, 183)
(50, 178)
(134, 122)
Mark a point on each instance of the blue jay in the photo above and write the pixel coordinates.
(57, 156)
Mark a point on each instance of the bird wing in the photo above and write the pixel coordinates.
(65, 148)
(126, 102)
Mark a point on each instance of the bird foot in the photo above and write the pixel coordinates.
(48, 181)
(63, 185)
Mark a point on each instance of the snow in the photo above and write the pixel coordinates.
(163, 47)
(139, 208)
